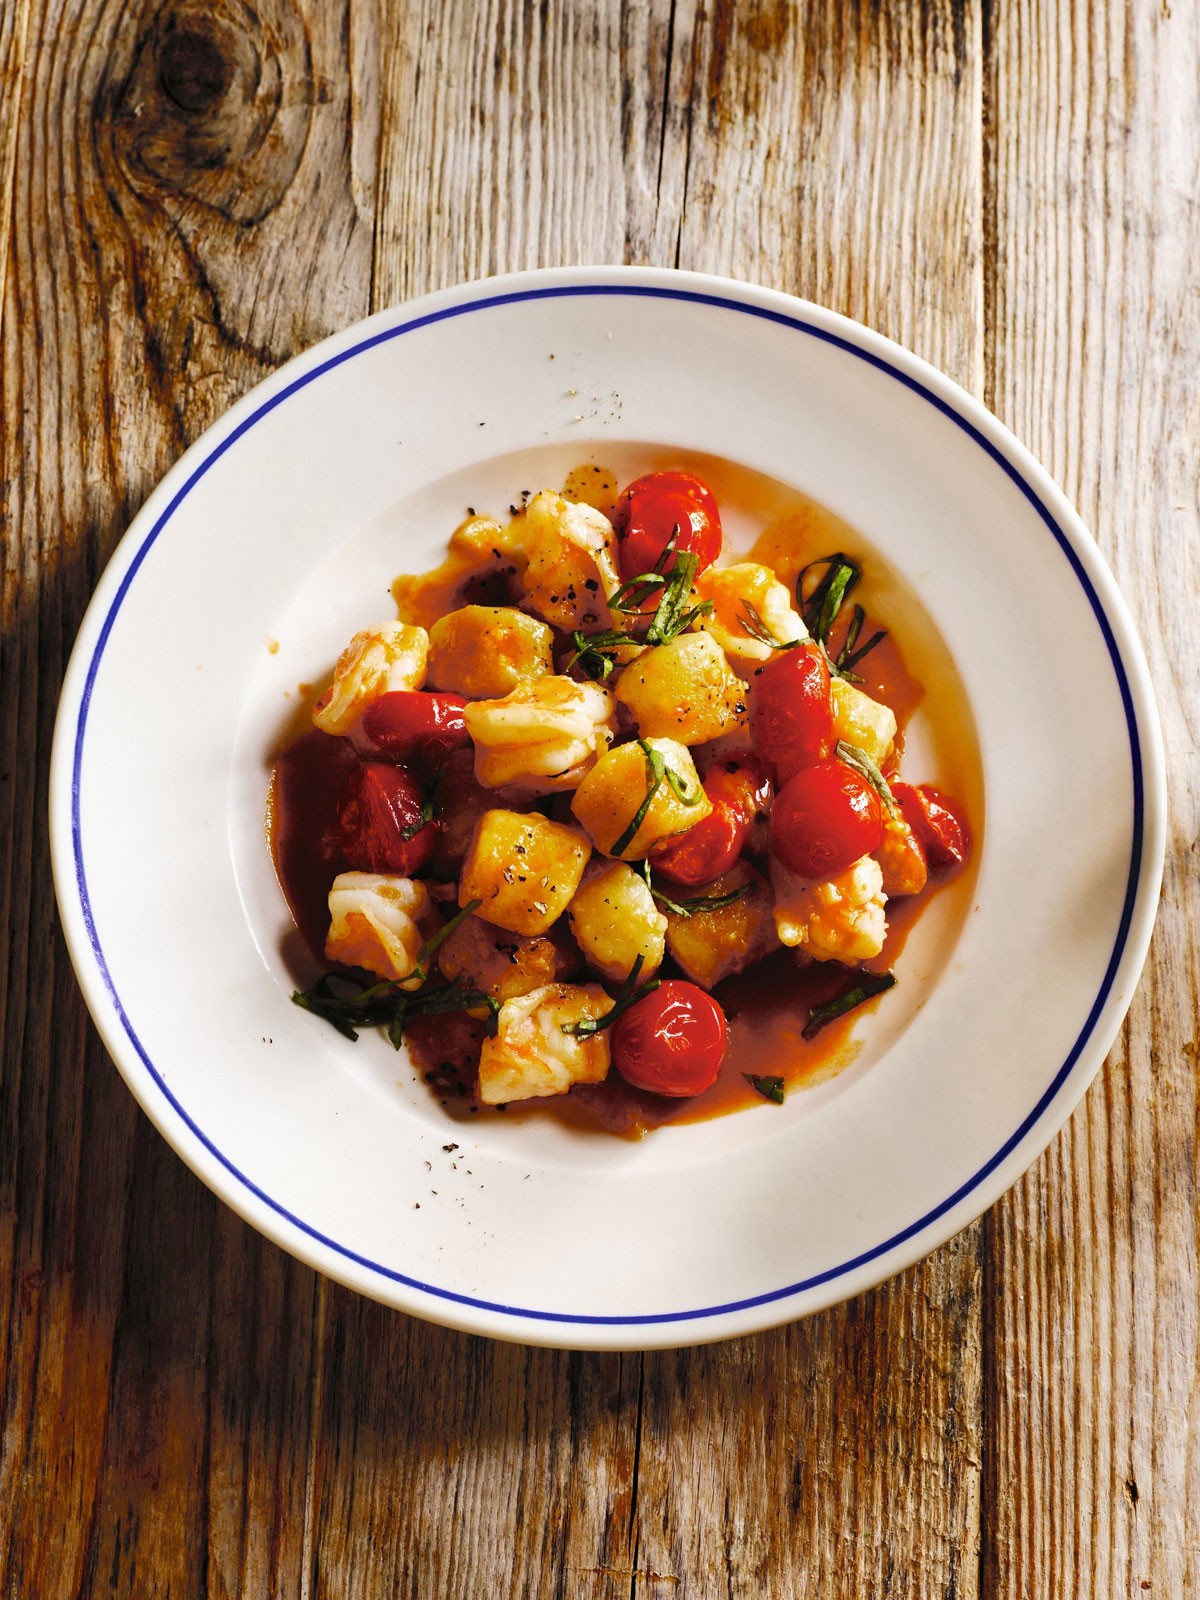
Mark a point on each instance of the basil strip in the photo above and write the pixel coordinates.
(753, 624)
(866, 768)
(629, 996)
(655, 769)
(770, 1088)
(868, 986)
(447, 928)
(386, 1005)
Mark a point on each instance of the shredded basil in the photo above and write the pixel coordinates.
(771, 1089)
(866, 768)
(657, 772)
(629, 996)
(689, 908)
(347, 1008)
(753, 624)
(868, 986)
(823, 606)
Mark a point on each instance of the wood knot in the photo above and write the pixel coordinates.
(193, 69)
(214, 105)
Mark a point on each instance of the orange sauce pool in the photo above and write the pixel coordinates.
(766, 1006)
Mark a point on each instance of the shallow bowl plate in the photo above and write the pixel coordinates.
(276, 537)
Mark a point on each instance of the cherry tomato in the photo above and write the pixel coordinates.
(648, 513)
(673, 1042)
(738, 791)
(824, 819)
(378, 806)
(791, 710)
(406, 722)
(937, 823)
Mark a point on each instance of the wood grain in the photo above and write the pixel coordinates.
(14, 28)
(189, 206)
(190, 191)
(1094, 1458)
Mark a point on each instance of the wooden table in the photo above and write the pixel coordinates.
(193, 190)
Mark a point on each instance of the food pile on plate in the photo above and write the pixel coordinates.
(590, 773)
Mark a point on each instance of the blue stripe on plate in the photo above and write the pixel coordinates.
(796, 324)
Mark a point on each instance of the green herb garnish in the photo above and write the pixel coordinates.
(753, 624)
(866, 768)
(868, 986)
(823, 606)
(689, 908)
(848, 656)
(657, 772)
(439, 938)
(770, 1088)
(426, 816)
(596, 654)
(387, 1005)
(630, 995)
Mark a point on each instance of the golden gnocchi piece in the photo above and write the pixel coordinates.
(615, 920)
(572, 568)
(375, 662)
(711, 945)
(482, 562)
(543, 737)
(864, 722)
(380, 923)
(532, 1055)
(842, 919)
(523, 868)
(684, 690)
(745, 596)
(503, 964)
(609, 799)
(488, 651)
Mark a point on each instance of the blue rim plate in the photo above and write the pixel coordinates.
(276, 535)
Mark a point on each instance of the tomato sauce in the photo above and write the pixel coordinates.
(305, 785)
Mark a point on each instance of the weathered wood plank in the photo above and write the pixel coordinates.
(1094, 150)
(14, 28)
(191, 203)
(524, 136)
(834, 153)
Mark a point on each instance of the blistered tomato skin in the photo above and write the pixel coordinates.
(380, 804)
(409, 722)
(791, 711)
(673, 1042)
(738, 791)
(938, 824)
(824, 819)
(648, 513)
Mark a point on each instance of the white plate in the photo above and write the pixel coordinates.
(277, 536)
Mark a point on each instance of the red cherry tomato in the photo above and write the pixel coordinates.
(407, 722)
(648, 513)
(673, 1042)
(791, 710)
(378, 806)
(937, 823)
(738, 791)
(824, 819)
